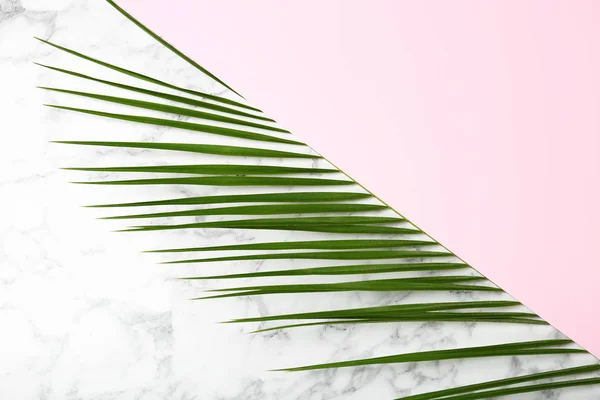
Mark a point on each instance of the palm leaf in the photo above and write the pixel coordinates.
(168, 45)
(525, 389)
(398, 309)
(217, 130)
(263, 210)
(297, 197)
(162, 95)
(504, 382)
(211, 169)
(504, 318)
(424, 312)
(232, 151)
(425, 317)
(324, 255)
(347, 225)
(345, 270)
(311, 210)
(145, 77)
(436, 283)
(312, 244)
(227, 181)
(540, 347)
(147, 105)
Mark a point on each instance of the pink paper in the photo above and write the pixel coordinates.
(479, 121)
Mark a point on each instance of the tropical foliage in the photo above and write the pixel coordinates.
(389, 242)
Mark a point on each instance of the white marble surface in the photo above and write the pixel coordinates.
(85, 315)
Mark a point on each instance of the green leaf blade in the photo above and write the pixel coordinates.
(328, 255)
(161, 95)
(263, 209)
(512, 349)
(503, 382)
(180, 111)
(311, 244)
(345, 270)
(211, 169)
(191, 126)
(293, 197)
(231, 151)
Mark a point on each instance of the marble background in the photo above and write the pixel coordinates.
(85, 315)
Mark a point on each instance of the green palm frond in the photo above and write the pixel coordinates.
(296, 197)
(147, 105)
(186, 125)
(465, 392)
(162, 95)
(232, 151)
(533, 348)
(489, 394)
(346, 270)
(147, 78)
(424, 312)
(262, 209)
(276, 196)
(324, 255)
(383, 311)
(436, 283)
(312, 244)
(208, 169)
(168, 45)
(226, 181)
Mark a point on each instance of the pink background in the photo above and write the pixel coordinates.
(477, 120)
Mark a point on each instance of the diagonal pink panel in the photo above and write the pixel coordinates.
(480, 121)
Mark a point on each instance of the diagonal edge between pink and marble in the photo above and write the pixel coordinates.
(477, 120)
